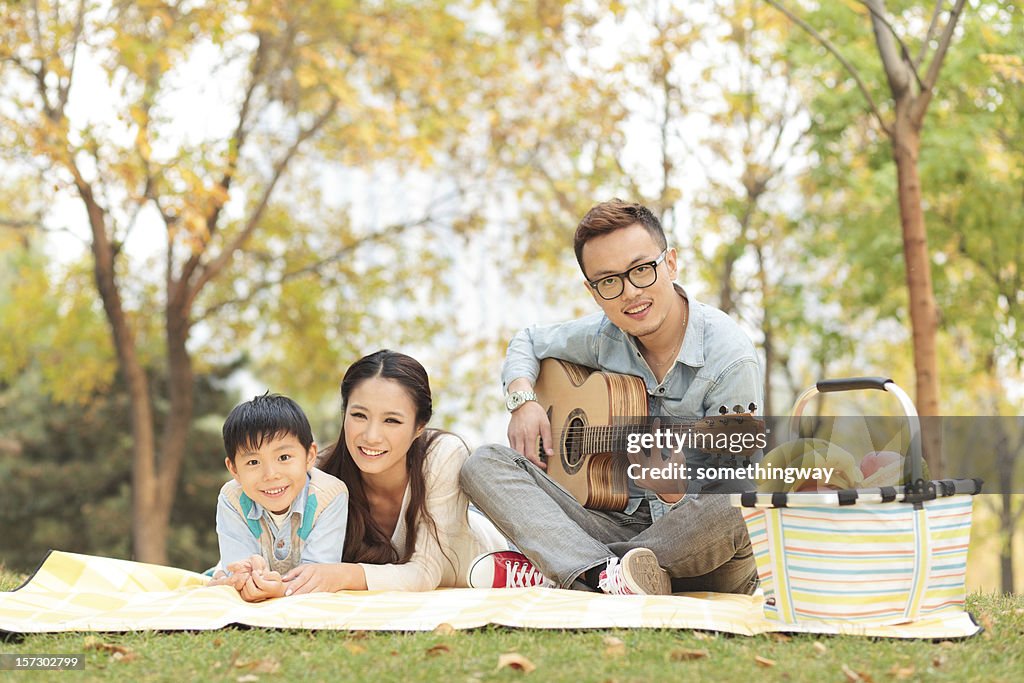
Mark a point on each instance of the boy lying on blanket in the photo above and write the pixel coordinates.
(279, 511)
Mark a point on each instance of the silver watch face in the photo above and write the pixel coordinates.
(518, 398)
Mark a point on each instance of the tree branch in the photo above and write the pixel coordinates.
(20, 224)
(920, 106)
(178, 289)
(904, 51)
(931, 31)
(388, 233)
(212, 269)
(896, 70)
(64, 87)
(827, 44)
(241, 133)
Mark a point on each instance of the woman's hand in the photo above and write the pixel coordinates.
(324, 578)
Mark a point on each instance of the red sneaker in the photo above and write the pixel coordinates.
(505, 569)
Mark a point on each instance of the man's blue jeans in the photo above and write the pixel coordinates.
(701, 541)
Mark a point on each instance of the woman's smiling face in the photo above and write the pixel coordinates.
(380, 425)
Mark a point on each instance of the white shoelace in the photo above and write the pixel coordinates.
(612, 581)
(522, 575)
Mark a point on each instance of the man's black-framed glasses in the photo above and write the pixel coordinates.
(641, 275)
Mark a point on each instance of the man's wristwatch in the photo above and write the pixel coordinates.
(514, 399)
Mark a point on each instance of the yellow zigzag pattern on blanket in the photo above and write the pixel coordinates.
(70, 571)
(73, 592)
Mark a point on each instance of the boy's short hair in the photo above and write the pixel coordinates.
(265, 417)
(612, 215)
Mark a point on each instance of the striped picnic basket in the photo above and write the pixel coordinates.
(881, 556)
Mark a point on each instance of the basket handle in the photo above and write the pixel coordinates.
(828, 386)
(831, 386)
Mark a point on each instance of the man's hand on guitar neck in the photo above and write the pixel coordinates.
(528, 423)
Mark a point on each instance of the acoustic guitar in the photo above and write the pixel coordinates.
(593, 413)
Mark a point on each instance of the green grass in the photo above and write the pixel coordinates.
(239, 654)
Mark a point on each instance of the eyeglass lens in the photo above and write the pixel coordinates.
(643, 275)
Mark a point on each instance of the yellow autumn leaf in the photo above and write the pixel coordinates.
(514, 660)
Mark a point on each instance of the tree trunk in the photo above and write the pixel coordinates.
(176, 428)
(906, 144)
(768, 331)
(148, 538)
(1006, 523)
(1006, 462)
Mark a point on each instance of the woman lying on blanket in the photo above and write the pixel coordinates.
(409, 527)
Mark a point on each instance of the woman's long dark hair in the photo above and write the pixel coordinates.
(365, 541)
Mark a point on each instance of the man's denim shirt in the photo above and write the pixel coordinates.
(716, 366)
(324, 544)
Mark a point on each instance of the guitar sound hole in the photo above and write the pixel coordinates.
(573, 444)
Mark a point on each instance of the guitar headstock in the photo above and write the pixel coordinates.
(736, 432)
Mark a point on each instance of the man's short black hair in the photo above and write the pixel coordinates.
(265, 417)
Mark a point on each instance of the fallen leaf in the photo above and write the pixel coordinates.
(819, 647)
(686, 654)
(444, 629)
(354, 648)
(938, 661)
(780, 637)
(439, 649)
(93, 643)
(855, 676)
(613, 647)
(217, 642)
(901, 672)
(764, 661)
(514, 660)
(118, 656)
(247, 678)
(259, 666)
(985, 620)
(700, 635)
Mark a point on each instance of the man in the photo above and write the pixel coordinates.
(693, 359)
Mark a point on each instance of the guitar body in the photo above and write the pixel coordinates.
(576, 397)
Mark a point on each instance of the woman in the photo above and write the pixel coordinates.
(408, 524)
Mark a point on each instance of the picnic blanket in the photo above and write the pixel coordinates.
(71, 592)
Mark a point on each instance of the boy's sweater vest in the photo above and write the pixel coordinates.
(323, 488)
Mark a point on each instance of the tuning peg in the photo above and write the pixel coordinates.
(737, 408)
(752, 406)
(722, 410)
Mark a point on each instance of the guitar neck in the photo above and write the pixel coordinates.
(613, 438)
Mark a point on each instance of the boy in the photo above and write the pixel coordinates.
(279, 511)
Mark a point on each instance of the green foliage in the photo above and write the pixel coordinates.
(54, 326)
(67, 474)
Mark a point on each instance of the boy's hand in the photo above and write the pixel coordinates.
(241, 572)
(220, 578)
(263, 586)
(235, 580)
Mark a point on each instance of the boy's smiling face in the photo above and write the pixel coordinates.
(275, 473)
